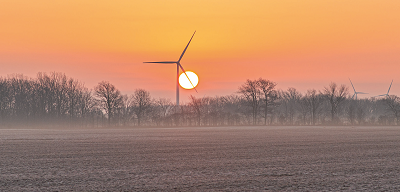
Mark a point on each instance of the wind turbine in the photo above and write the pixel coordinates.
(178, 66)
(355, 92)
(387, 94)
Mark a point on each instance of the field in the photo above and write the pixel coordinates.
(201, 159)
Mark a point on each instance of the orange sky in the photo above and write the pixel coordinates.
(302, 44)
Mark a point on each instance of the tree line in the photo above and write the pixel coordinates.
(57, 100)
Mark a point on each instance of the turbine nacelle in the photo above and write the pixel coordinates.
(179, 66)
(387, 94)
(355, 92)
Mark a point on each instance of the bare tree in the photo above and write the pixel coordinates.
(21, 88)
(44, 96)
(360, 114)
(161, 109)
(393, 103)
(335, 95)
(54, 88)
(231, 108)
(5, 100)
(314, 102)
(60, 82)
(165, 105)
(126, 109)
(251, 94)
(351, 112)
(269, 94)
(214, 110)
(291, 102)
(74, 89)
(55, 99)
(142, 102)
(196, 105)
(86, 104)
(109, 97)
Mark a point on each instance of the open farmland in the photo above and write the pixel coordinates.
(212, 159)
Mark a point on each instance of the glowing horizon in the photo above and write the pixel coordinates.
(301, 44)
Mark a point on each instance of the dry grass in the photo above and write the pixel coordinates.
(212, 159)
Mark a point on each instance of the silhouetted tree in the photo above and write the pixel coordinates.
(161, 109)
(291, 102)
(393, 103)
(165, 105)
(352, 111)
(125, 112)
(142, 102)
(232, 106)
(20, 89)
(196, 105)
(335, 95)
(214, 110)
(55, 99)
(269, 94)
(74, 90)
(5, 100)
(86, 104)
(109, 97)
(251, 94)
(313, 101)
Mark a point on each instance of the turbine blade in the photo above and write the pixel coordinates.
(352, 85)
(390, 87)
(165, 62)
(187, 76)
(361, 93)
(186, 48)
(353, 96)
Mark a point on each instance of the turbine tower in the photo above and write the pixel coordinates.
(387, 94)
(178, 66)
(355, 92)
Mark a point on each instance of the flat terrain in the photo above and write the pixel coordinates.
(201, 159)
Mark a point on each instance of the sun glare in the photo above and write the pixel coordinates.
(184, 81)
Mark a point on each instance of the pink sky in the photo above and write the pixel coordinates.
(302, 44)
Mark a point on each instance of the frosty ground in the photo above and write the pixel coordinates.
(203, 158)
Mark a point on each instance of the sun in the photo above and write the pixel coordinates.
(184, 81)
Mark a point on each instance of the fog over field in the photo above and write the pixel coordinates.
(202, 158)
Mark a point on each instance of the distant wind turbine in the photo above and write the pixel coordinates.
(387, 94)
(178, 65)
(355, 92)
